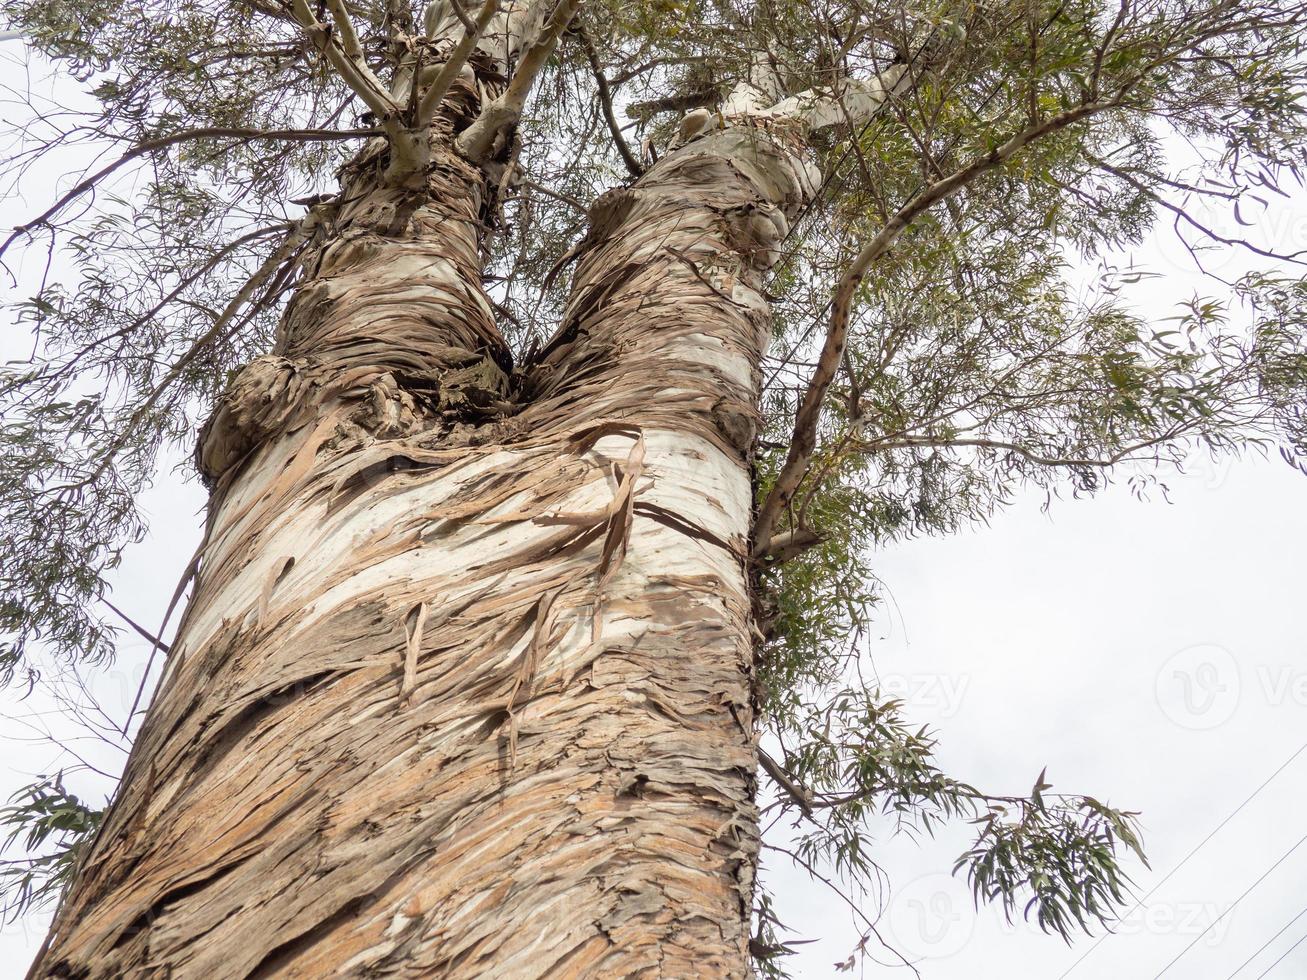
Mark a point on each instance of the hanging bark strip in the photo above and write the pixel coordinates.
(465, 685)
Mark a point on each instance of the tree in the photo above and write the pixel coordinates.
(504, 580)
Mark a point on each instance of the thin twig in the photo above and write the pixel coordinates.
(157, 643)
(633, 165)
(150, 146)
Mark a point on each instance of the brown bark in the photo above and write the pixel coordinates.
(464, 686)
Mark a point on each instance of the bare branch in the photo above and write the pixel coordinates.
(476, 142)
(349, 38)
(440, 86)
(853, 101)
(783, 779)
(790, 544)
(137, 627)
(557, 196)
(354, 72)
(633, 165)
(437, 14)
(672, 103)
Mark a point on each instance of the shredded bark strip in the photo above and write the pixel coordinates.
(468, 634)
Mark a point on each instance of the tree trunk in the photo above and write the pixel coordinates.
(464, 685)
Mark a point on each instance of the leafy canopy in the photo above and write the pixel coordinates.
(1031, 139)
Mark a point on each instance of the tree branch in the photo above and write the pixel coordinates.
(184, 282)
(1121, 455)
(398, 23)
(804, 440)
(1188, 219)
(137, 627)
(854, 102)
(672, 103)
(557, 196)
(440, 86)
(354, 72)
(284, 252)
(349, 38)
(783, 779)
(870, 924)
(790, 544)
(633, 165)
(476, 142)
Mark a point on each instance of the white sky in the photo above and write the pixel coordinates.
(1152, 654)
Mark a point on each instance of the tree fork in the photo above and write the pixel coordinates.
(463, 689)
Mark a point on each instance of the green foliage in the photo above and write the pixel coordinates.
(92, 400)
(1063, 851)
(863, 766)
(53, 827)
(57, 544)
(978, 366)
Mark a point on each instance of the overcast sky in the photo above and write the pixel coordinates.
(1148, 653)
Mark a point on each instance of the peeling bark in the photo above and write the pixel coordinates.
(465, 684)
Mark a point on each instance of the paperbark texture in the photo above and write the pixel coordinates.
(464, 687)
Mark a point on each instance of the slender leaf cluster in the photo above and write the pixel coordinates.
(54, 827)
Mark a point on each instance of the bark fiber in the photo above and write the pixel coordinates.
(464, 687)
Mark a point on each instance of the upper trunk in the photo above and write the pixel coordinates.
(464, 686)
